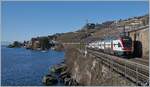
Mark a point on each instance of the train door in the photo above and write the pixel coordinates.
(112, 52)
(116, 47)
(99, 45)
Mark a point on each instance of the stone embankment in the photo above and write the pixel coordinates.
(90, 71)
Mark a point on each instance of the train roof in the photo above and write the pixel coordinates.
(113, 37)
(107, 38)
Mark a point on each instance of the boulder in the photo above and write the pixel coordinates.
(64, 75)
(67, 81)
(58, 68)
(49, 80)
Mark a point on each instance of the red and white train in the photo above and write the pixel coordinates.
(119, 46)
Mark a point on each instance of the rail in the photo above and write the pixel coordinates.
(136, 72)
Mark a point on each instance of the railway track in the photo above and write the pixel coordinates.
(140, 60)
(134, 71)
(144, 61)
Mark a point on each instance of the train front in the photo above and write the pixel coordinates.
(126, 45)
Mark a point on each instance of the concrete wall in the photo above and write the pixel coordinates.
(141, 37)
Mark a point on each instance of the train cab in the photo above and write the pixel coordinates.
(122, 46)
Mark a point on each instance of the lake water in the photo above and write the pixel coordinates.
(26, 67)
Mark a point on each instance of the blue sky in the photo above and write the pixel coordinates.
(24, 20)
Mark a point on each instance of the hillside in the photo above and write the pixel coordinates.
(92, 31)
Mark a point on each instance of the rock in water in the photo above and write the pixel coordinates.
(49, 80)
(58, 68)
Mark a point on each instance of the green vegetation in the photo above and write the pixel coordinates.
(44, 43)
(15, 44)
(40, 43)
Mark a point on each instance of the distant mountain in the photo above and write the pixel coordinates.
(5, 43)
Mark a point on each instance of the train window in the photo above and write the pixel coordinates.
(127, 42)
(116, 45)
(119, 45)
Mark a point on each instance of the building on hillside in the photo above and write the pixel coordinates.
(36, 45)
(133, 23)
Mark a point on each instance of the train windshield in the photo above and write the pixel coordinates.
(127, 42)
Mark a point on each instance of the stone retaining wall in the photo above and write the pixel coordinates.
(89, 70)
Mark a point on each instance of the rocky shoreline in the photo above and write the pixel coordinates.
(59, 74)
